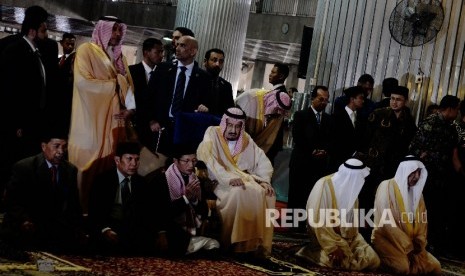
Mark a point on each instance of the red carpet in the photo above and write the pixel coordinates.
(137, 266)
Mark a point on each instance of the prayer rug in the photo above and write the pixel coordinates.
(277, 267)
(48, 261)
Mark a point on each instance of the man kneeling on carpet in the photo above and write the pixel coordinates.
(401, 245)
(334, 237)
(42, 200)
(179, 198)
(119, 214)
(244, 192)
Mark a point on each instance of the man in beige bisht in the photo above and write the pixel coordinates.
(244, 192)
(338, 243)
(401, 245)
(102, 102)
(266, 110)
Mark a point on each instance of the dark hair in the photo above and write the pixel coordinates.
(388, 84)
(431, 107)
(33, 17)
(462, 108)
(52, 131)
(183, 149)
(127, 148)
(366, 78)
(315, 90)
(449, 101)
(185, 31)
(214, 50)
(68, 35)
(353, 92)
(400, 90)
(282, 69)
(150, 43)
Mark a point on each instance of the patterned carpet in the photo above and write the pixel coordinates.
(285, 263)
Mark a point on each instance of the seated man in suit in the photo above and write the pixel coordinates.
(117, 207)
(42, 200)
(179, 193)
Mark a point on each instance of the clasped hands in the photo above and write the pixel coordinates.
(193, 190)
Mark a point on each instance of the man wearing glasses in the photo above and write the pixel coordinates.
(181, 202)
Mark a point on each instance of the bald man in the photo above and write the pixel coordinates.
(177, 87)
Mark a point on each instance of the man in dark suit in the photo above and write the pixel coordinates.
(192, 85)
(347, 129)
(118, 206)
(152, 51)
(65, 79)
(222, 94)
(23, 78)
(309, 157)
(366, 81)
(42, 200)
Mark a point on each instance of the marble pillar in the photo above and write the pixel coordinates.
(217, 24)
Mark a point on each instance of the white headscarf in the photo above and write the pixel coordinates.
(406, 167)
(348, 181)
(234, 114)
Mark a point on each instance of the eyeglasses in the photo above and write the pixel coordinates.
(193, 161)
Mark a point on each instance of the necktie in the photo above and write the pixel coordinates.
(125, 192)
(43, 96)
(352, 117)
(62, 61)
(150, 76)
(179, 91)
(318, 117)
(53, 172)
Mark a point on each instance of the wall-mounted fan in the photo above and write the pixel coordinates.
(414, 23)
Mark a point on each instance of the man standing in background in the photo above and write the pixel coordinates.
(222, 94)
(152, 51)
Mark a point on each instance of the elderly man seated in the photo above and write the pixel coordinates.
(244, 192)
